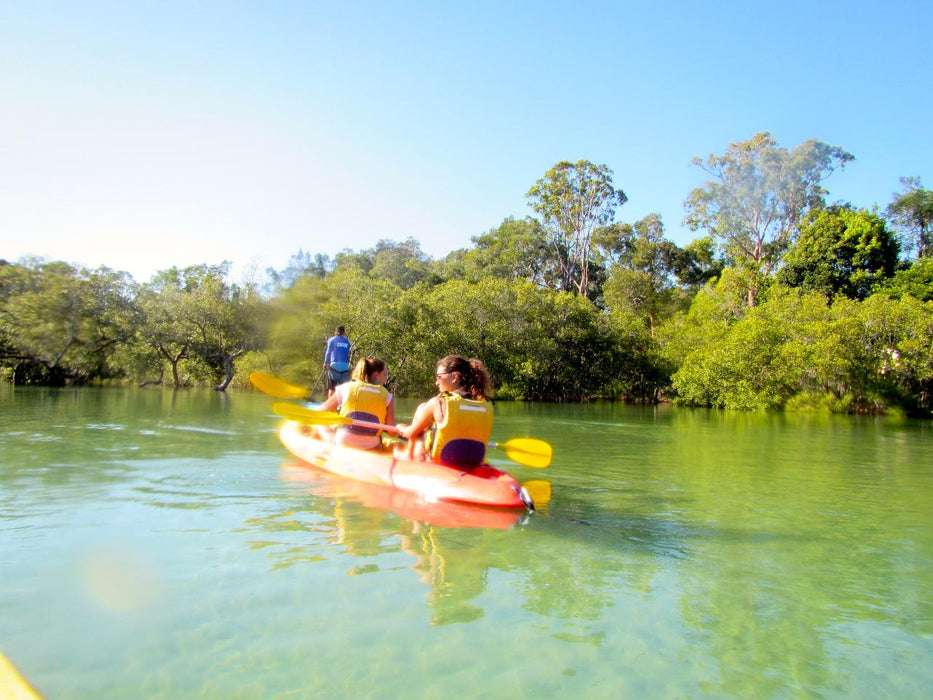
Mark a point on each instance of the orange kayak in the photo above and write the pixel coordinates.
(485, 485)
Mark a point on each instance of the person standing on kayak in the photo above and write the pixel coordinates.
(363, 398)
(457, 423)
(337, 359)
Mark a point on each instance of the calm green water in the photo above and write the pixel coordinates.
(159, 544)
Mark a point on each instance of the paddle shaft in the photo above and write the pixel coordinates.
(527, 451)
(513, 449)
(394, 429)
(317, 381)
(367, 424)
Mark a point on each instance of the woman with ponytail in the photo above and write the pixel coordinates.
(457, 423)
(363, 398)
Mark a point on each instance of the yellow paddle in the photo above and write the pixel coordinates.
(539, 490)
(12, 683)
(279, 388)
(527, 451)
(300, 414)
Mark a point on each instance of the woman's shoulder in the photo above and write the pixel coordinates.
(429, 404)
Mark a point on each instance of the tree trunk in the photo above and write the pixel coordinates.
(174, 360)
(228, 373)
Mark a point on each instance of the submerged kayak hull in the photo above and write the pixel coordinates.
(484, 485)
(406, 504)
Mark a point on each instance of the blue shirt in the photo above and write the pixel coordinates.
(337, 354)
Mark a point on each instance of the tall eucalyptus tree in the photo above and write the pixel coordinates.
(758, 194)
(911, 212)
(573, 200)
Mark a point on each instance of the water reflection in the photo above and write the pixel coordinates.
(85, 438)
(683, 553)
(784, 539)
(447, 541)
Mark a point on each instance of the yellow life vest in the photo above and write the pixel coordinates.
(365, 402)
(460, 439)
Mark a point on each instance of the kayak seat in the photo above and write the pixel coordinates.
(359, 429)
(463, 453)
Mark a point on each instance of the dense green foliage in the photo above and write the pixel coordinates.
(787, 303)
(841, 252)
(60, 324)
(797, 349)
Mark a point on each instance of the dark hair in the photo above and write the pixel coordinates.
(473, 375)
(340, 330)
(367, 367)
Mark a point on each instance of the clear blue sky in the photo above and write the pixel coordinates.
(141, 135)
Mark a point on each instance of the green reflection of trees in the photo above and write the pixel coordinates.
(789, 541)
(78, 446)
(794, 543)
(786, 541)
(454, 563)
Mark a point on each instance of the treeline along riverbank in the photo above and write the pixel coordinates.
(784, 301)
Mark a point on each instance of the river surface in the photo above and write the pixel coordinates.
(162, 544)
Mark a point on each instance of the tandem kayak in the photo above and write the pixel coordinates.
(485, 485)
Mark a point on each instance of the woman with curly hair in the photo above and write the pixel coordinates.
(457, 423)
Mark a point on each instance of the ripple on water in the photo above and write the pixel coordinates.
(42, 437)
(200, 429)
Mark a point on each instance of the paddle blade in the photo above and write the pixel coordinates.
(539, 490)
(300, 414)
(12, 683)
(527, 451)
(279, 388)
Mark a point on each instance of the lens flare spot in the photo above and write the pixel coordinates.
(119, 580)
